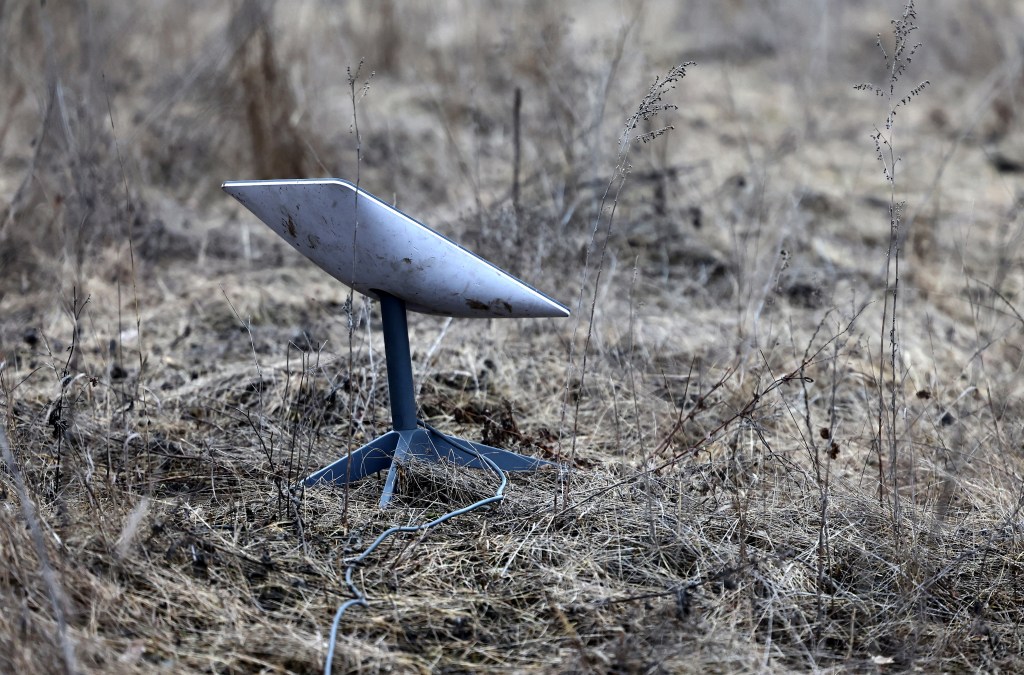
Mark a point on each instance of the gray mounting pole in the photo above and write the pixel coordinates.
(399, 362)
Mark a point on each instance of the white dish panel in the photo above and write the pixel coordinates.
(368, 245)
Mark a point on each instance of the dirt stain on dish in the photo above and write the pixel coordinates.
(291, 227)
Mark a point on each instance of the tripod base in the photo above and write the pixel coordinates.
(394, 447)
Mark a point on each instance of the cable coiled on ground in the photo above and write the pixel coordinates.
(359, 598)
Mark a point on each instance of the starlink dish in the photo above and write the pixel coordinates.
(371, 246)
(383, 253)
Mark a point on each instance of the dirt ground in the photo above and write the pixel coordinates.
(789, 390)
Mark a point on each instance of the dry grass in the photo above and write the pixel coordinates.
(764, 481)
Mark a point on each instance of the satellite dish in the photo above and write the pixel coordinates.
(379, 251)
(372, 247)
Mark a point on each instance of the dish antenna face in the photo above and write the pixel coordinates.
(383, 253)
(372, 247)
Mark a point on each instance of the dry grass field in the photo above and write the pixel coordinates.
(790, 391)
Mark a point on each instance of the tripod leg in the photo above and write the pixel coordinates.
(371, 458)
(408, 444)
(458, 452)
